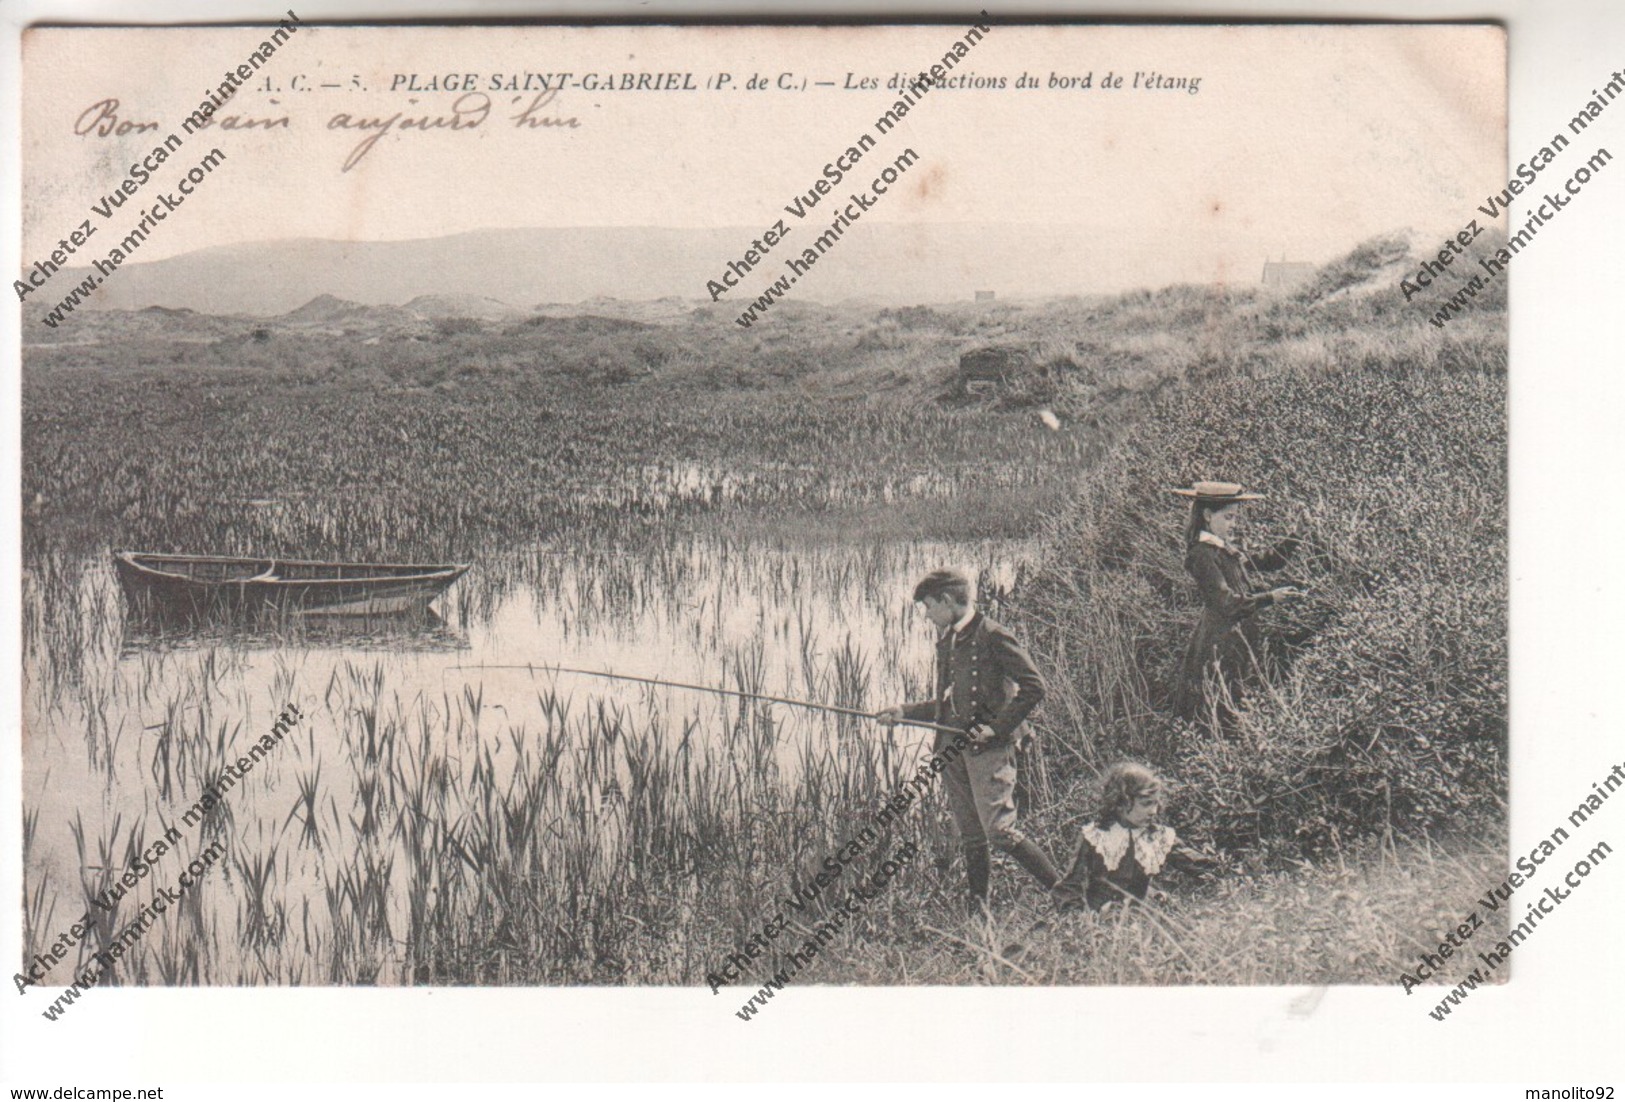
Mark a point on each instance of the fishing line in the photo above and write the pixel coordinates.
(814, 705)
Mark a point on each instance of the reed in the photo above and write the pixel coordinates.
(490, 827)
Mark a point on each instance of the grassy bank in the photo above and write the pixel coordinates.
(1359, 918)
(1384, 450)
(426, 837)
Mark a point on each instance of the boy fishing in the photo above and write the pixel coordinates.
(977, 661)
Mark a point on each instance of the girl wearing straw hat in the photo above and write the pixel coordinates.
(1225, 649)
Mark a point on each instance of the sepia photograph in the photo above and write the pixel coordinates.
(745, 514)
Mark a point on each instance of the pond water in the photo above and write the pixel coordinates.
(362, 830)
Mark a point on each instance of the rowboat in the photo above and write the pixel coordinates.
(204, 582)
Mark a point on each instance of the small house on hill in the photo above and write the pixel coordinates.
(1287, 273)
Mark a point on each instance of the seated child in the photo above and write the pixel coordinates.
(1124, 847)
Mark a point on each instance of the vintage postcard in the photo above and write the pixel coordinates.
(753, 512)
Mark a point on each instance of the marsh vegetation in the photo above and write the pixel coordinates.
(436, 822)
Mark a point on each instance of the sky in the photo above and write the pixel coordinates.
(1298, 144)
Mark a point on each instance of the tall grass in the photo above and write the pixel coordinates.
(335, 471)
(1386, 455)
(510, 828)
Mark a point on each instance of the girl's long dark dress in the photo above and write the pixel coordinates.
(1226, 644)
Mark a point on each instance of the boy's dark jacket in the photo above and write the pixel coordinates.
(977, 662)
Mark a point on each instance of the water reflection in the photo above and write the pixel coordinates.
(148, 627)
(364, 845)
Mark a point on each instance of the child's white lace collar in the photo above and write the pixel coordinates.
(1151, 845)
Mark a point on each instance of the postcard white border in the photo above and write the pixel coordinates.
(1550, 1027)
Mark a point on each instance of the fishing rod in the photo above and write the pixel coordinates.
(713, 689)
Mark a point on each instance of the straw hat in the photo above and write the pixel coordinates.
(1225, 492)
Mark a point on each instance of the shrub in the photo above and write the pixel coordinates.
(1389, 708)
(451, 327)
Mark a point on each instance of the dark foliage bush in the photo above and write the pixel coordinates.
(1388, 706)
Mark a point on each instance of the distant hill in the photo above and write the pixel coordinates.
(478, 307)
(325, 308)
(1089, 358)
(1106, 345)
(873, 263)
(666, 309)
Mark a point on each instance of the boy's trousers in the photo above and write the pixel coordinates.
(981, 789)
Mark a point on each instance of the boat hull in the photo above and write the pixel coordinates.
(206, 583)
